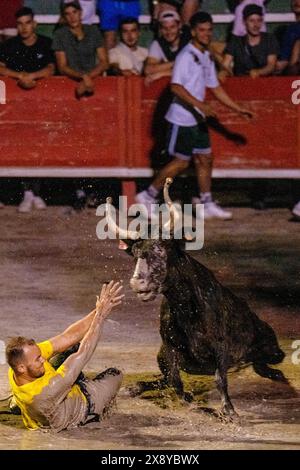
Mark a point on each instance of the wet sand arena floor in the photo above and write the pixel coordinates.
(52, 266)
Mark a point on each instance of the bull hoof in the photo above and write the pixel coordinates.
(229, 415)
(187, 397)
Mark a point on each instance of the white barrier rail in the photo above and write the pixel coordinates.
(218, 19)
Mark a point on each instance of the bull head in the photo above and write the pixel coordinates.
(150, 255)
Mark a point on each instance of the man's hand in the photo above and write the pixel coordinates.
(245, 113)
(206, 109)
(109, 298)
(254, 73)
(26, 81)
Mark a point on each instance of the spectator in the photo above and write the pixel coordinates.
(8, 25)
(239, 28)
(254, 54)
(163, 51)
(291, 35)
(128, 58)
(186, 8)
(28, 56)
(112, 12)
(78, 50)
(294, 64)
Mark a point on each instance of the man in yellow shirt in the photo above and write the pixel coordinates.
(64, 398)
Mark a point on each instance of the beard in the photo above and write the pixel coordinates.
(36, 373)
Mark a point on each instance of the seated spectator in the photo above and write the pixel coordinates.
(163, 51)
(254, 54)
(8, 25)
(112, 12)
(291, 35)
(78, 50)
(239, 28)
(294, 64)
(128, 58)
(185, 8)
(27, 57)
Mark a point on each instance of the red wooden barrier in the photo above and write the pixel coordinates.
(47, 132)
(271, 136)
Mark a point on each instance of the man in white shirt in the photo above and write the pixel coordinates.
(128, 58)
(188, 138)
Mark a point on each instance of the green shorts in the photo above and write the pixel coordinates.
(184, 142)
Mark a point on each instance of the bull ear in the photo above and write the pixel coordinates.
(126, 245)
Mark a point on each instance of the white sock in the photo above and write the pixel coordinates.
(152, 191)
(205, 197)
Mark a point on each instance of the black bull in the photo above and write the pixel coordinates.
(205, 328)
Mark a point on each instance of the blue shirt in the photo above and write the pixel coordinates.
(291, 35)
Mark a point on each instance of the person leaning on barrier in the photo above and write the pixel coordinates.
(254, 54)
(28, 56)
(163, 51)
(79, 50)
(128, 58)
(58, 396)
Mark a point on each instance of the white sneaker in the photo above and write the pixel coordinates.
(296, 210)
(1, 205)
(213, 210)
(148, 201)
(27, 203)
(39, 203)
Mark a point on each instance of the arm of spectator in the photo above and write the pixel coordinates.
(295, 59)
(63, 67)
(154, 66)
(43, 73)
(226, 68)
(102, 65)
(267, 70)
(6, 72)
(189, 99)
(225, 99)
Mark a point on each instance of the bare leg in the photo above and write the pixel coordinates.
(110, 39)
(171, 170)
(204, 165)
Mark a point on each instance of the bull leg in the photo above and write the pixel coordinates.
(168, 363)
(222, 386)
(274, 374)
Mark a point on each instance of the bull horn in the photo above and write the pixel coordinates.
(120, 232)
(174, 215)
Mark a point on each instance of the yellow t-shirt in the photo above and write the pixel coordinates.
(25, 394)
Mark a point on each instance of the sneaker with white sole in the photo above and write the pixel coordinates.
(296, 210)
(213, 210)
(27, 203)
(39, 203)
(148, 202)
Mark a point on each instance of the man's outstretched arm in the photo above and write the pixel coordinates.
(73, 334)
(110, 297)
